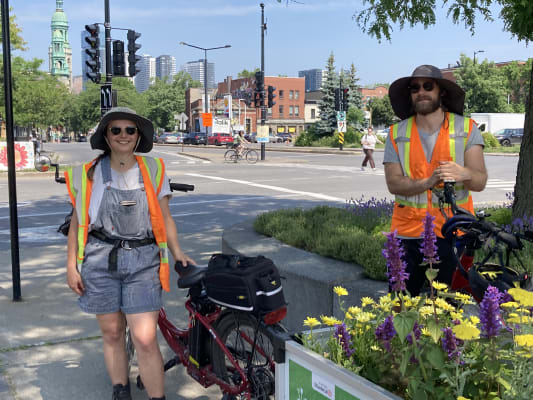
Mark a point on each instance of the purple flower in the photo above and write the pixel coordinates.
(344, 339)
(417, 331)
(489, 312)
(429, 239)
(393, 253)
(385, 332)
(449, 344)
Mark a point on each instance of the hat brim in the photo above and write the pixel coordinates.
(145, 127)
(400, 97)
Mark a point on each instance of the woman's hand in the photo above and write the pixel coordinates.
(74, 281)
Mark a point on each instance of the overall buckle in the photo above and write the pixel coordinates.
(125, 245)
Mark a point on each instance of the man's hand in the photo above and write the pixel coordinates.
(184, 259)
(448, 171)
(74, 281)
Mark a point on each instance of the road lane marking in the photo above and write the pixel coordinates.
(192, 160)
(270, 187)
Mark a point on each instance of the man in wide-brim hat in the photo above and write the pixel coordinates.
(432, 144)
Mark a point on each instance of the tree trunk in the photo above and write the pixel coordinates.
(523, 191)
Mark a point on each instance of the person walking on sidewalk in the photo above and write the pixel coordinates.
(368, 141)
(118, 241)
(434, 143)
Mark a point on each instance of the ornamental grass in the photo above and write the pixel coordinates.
(435, 346)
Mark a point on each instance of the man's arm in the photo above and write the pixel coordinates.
(473, 174)
(397, 183)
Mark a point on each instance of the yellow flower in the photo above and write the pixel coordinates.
(465, 298)
(407, 302)
(425, 332)
(466, 331)
(456, 315)
(474, 319)
(366, 301)
(340, 291)
(519, 319)
(348, 316)
(510, 304)
(311, 322)
(441, 303)
(524, 340)
(439, 286)
(462, 398)
(330, 321)
(354, 310)
(375, 348)
(426, 310)
(364, 317)
(524, 297)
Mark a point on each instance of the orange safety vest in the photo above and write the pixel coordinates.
(80, 189)
(409, 211)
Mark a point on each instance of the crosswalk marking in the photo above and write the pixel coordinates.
(500, 184)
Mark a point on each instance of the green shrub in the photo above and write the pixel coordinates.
(490, 140)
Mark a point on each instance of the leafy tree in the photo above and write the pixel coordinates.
(377, 18)
(356, 98)
(83, 110)
(163, 100)
(381, 111)
(484, 87)
(517, 78)
(16, 40)
(328, 116)
(247, 74)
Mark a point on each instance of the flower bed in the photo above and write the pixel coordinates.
(431, 347)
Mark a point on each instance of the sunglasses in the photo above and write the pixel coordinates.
(415, 87)
(130, 130)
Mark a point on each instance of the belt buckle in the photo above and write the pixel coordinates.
(125, 245)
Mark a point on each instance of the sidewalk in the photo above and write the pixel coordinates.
(50, 350)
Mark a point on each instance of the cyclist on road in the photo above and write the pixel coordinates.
(118, 242)
(432, 144)
(238, 143)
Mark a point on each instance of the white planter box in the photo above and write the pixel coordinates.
(306, 375)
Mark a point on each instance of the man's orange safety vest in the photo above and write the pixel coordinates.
(80, 189)
(409, 211)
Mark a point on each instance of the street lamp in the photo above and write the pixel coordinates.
(206, 104)
(477, 52)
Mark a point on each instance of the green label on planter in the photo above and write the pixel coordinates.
(307, 385)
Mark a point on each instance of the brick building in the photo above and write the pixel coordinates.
(287, 115)
(376, 92)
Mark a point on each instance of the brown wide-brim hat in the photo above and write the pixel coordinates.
(145, 127)
(400, 97)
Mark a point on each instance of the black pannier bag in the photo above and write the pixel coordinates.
(251, 284)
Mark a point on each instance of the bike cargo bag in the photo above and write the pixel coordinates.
(249, 284)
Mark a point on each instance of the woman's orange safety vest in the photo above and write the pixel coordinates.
(409, 211)
(80, 189)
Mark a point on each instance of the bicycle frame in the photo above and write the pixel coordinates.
(177, 339)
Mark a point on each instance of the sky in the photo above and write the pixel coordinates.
(299, 36)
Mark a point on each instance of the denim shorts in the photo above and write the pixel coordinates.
(133, 288)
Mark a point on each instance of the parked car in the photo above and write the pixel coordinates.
(273, 138)
(168, 138)
(284, 137)
(509, 137)
(65, 139)
(82, 138)
(251, 137)
(220, 138)
(195, 138)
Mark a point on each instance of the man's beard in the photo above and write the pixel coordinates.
(426, 107)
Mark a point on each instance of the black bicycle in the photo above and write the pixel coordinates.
(249, 155)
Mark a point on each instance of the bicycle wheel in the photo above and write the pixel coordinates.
(230, 155)
(252, 156)
(130, 349)
(236, 331)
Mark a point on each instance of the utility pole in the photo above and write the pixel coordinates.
(12, 183)
(106, 91)
(263, 106)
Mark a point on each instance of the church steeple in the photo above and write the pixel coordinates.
(60, 52)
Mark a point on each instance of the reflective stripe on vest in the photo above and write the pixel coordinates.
(80, 189)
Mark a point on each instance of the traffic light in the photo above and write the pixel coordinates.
(271, 96)
(132, 48)
(119, 67)
(259, 89)
(93, 52)
(337, 99)
(345, 98)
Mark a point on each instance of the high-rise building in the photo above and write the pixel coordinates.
(196, 69)
(60, 52)
(85, 56)
(313, 79)
(165, 68)
(145, 76)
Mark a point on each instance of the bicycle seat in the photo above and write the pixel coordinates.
(190, 275)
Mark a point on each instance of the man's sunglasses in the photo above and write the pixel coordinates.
(415, 87)
(130, 130)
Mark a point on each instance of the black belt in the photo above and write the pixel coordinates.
(120, 243)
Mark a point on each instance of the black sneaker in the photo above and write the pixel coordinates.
(121, 392)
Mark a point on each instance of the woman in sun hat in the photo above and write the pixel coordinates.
(118, 242)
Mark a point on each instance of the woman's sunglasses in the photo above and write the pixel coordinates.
(130, 130)
(415, 87)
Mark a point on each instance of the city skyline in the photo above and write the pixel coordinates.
(297, 37)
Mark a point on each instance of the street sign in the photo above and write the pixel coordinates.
(262, 134)
(182, 119)
(341, 126)
(221, 125)
(207, 119)
(106, 98)
(341, 115)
